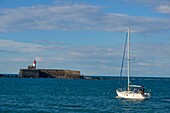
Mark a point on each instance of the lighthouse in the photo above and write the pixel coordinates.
(34, 64)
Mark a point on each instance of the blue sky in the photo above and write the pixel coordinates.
(85, 35)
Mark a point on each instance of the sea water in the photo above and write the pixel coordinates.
(26, 95)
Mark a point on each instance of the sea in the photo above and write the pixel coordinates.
(49, 95)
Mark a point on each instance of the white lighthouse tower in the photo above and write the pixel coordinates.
(34, 64)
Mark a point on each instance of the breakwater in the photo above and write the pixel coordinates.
(49, 73)
(33, 72)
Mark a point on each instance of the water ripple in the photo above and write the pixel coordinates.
(77, 96)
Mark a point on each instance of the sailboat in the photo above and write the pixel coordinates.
(132, 91)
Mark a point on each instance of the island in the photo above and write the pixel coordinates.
(33, 72)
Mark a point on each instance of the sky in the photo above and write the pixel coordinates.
(85, 35)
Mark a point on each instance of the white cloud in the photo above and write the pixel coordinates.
(76, 17)
(138, 23)
(14, 47)
(161, 6)
(106, 60)
(143, 64)
(164, 9)
(46, 17)
(39, 59)
(150, 59)
(147, 2)
(16, 59)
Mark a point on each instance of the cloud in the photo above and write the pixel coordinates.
(57, 56)
(66, 2)
(16, 59)
(164, 9)
(88, 59)
(148, 2)
(39, 59)
(138, 23)
(46, 17)
(161, 6)
(151, 59)
(76, 17)
(13, 47)
(102, 60)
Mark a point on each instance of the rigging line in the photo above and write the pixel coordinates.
(124, 51)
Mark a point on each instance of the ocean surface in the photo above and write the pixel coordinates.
(30, 95)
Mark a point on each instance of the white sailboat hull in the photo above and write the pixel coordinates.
(132, 95)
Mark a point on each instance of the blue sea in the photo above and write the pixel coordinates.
(45, 95)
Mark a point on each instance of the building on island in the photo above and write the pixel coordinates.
(33, 72)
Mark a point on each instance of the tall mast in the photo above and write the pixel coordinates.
(128, 59)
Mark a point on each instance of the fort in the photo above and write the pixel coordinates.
(32, 72)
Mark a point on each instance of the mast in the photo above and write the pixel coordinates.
(128, 58)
